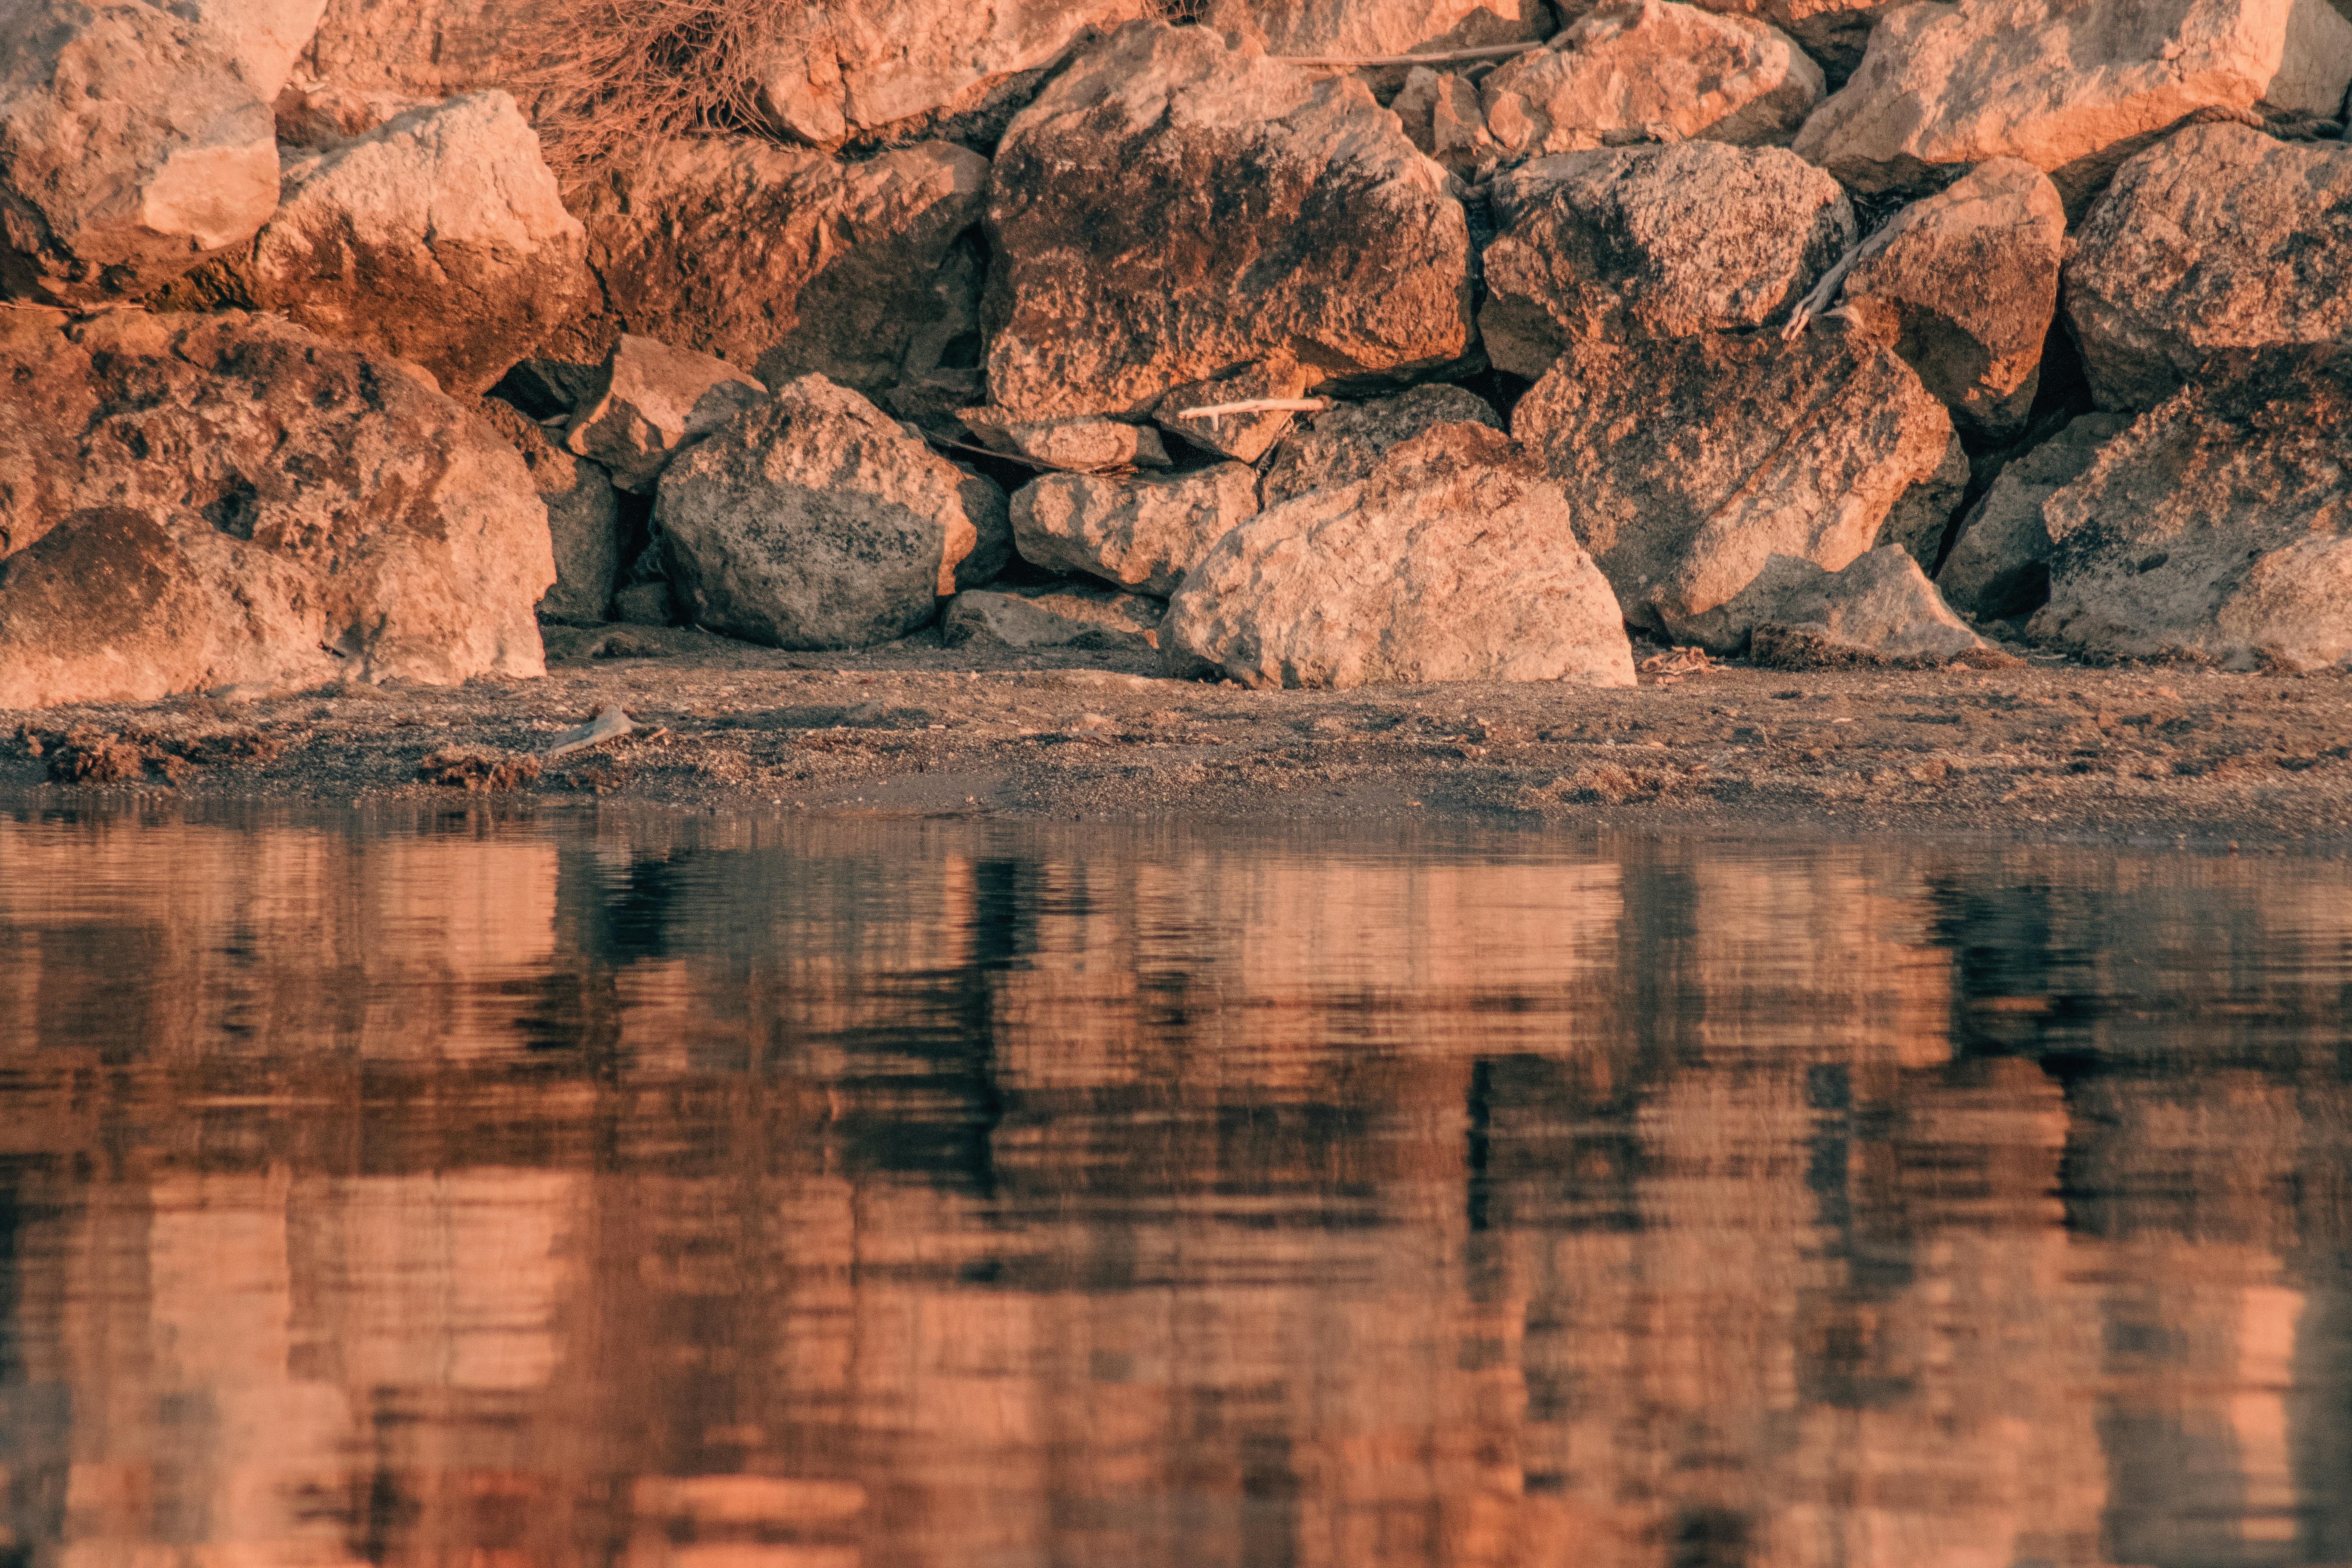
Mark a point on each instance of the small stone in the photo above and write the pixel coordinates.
(1879, 607)
(1141, 533)
(1085, 445)
(650, 401)
(1345, 443)
(1054, 617)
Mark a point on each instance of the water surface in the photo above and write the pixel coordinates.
(701, 1192)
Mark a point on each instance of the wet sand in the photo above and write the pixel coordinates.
(2039, 749)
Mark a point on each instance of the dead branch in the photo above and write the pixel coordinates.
(1259, 405)
(1492, 52)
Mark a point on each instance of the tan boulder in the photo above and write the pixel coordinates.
(649, 401)
(1453, 560)
(1125, 264)
(787, 261)
(1965, 284)
(1351, 29)
(2217, 529)
(584, 517)
(198, 502)
(1658, 241)
(1053, 618)
(133, 146)
(1345, 444)
(1833, 32)
(1083, 445)
(1651, 70)
(1141, 533)
(319, 116)
(1689, 462)
(815, 520)
(1244, 436)
(2072, 86)
(438, 238)
(1998, 567)
(426, 48)
(858, 70)
(2218, 239)
(264, 39)
(1878, 608)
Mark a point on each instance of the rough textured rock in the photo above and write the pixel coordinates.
(263, 37)
(815, 520)
(1922, 520)
(1998, 567)
(196, 502)
(2217, 529)
(1964, 283)
(2218, 239)
(1663, 241)
(989, 511)
(132, 146)
(1343, 445)
(1083, 445)
(438, 238)
(858, 71)
(1244, 437)
(1170, 209)
(1637, 69)
(1142, 533)
(2072, 86)
(1834, 33)
(1443, 116)
(789, 261)
(1053, 618)
(1689, 462)
(649, 401)
(583, 518)
(1355, 27)
(425, 49)
(1878, 608)
(322, 115)
(1453, 560)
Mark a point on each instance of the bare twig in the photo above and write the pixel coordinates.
(609, 724)
(1259, 405)
(1492, 52)
(1816, 304)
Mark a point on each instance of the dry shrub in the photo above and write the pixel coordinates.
(477, 771)
(1777, 647)
(1615, 783)
(87, 757)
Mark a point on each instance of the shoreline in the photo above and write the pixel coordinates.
(913, 730)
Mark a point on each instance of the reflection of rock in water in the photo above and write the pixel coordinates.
(937, 1197)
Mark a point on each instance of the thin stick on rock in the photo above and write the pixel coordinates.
(1259, 405)
(1492, 52)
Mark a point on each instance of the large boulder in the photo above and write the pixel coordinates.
(1646, 68)
(1965, 282)
(1877, 608)
(1833, 32)
(1141, 533)
(262, 37)
(133, 146)
(857, 71)
(1453, 560)
(429, 48)
(1999, 568)
(2218, 239)
(1170, 208)
(1660, 241)
(2072, 86)
(583, 518)
(815, 520)
(1689, 462)
(438, 238)
(198, 502)
(2218, 528)
(649, 401)
(1345, 443)
(787, 261)
(1055, 616)
(1353, 29)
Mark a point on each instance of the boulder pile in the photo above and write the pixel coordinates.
(1306, 344)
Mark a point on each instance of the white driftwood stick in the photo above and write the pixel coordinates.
(609, 724)
(1259, 405)
(1825, 292)
(1492, 52)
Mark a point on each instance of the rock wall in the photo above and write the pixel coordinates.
(1790, 279)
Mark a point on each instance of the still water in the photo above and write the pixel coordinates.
(702, 1193)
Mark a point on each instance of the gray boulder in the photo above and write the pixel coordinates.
(1965, 284)
(1453, 560)
(649, 401)
(133, 146)
(583, 518)
(1688, 463)
(1141, 533)
(1053, 618)
(439, 237)
(814, 519)
(1127, 263)
(2218, 239)
(2218, 528)
(2072, 86)
(1878, 608)
(1345, 444)
(202, 502)
(1999, 568)
(1663, 241)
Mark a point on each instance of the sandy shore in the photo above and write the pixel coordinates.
(916, 728)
